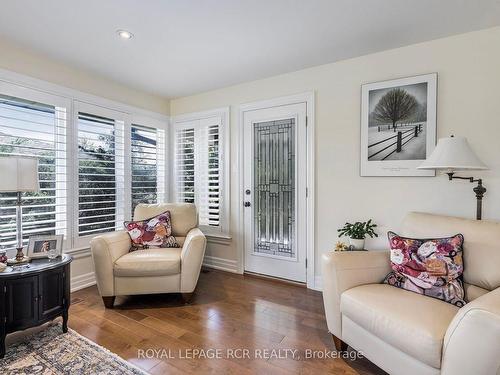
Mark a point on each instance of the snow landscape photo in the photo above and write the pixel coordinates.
(397, 123)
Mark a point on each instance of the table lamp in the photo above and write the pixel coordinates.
(454, 154)
(18, 175)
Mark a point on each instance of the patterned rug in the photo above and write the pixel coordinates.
(50, 352)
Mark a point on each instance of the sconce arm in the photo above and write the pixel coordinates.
(451, 176)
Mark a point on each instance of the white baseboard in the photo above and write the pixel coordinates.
(83, 252)
(222, 264)
(82, 281)
(318, 284)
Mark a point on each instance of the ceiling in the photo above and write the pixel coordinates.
(182, 47)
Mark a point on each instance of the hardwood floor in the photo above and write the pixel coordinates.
(227, 312)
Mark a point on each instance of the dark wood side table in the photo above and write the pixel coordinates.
(34, 294)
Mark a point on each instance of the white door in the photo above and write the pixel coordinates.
(275, 191)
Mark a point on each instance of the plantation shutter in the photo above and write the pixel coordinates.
(197, 170)
(36, 129)
(101, 174)
(184, 165)
(147, 164)
(208, 173)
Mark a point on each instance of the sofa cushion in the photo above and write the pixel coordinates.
(472, 292)
(432, 267)
(481, 245)
(149, 262)
(413, 323)
(183, 215)
(155, 231)
(180, 241)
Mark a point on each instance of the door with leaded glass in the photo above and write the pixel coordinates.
(275, 191)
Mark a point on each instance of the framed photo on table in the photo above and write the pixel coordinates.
(398, 126)
(43, 246)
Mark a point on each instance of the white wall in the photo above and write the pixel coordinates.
(468, 68)
(20, 60)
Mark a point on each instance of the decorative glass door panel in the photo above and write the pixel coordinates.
(274, 191)
(274, 188)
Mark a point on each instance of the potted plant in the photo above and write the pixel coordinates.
(357, 233)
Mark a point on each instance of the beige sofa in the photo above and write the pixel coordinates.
(120, 272)
(406, 333)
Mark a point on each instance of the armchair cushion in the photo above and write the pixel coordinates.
(432, 267)
(149, 262)
(413, 323)
(183, 215)
(155, 231)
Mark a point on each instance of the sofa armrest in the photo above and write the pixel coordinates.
(345, 270)
(106, 249)
(192, 255)
(472, 341)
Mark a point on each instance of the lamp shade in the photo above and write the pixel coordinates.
(453, 153)
(18, 174)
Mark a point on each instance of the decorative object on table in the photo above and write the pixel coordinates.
(341, 246)
(45, 246)
(34, 294)
(3, 267)
(49, 352)
(454, 154)
(357, 233)
(155, 231)
(3, 256)
(23, 177)
(432, 267)
(398, 126)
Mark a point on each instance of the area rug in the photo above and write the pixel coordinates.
(50, 352)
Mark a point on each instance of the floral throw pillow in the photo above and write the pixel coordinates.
(153, 232)
(432, 267)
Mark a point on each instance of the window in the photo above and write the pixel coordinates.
(37, 129)
(95, 164)
(148, 164)
(199, 167)
(101, 175)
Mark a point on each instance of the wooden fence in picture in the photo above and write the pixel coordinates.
(398, 141)
(393, 127)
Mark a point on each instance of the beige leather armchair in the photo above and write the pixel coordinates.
(154, 270)
(407, 333)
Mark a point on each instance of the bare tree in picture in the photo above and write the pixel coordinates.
(394, 106)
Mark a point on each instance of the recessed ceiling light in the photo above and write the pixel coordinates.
(124, 34)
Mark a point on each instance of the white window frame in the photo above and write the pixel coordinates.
(25, 87)
(150, 122)
(125, 214)
(12, 89)
(185, 120)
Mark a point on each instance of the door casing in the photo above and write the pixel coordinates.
(308, 98)
(290, 268)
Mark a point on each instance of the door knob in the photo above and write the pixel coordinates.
(246, 204)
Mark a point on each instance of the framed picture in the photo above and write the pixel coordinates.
(39, 246)
(398, 126)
